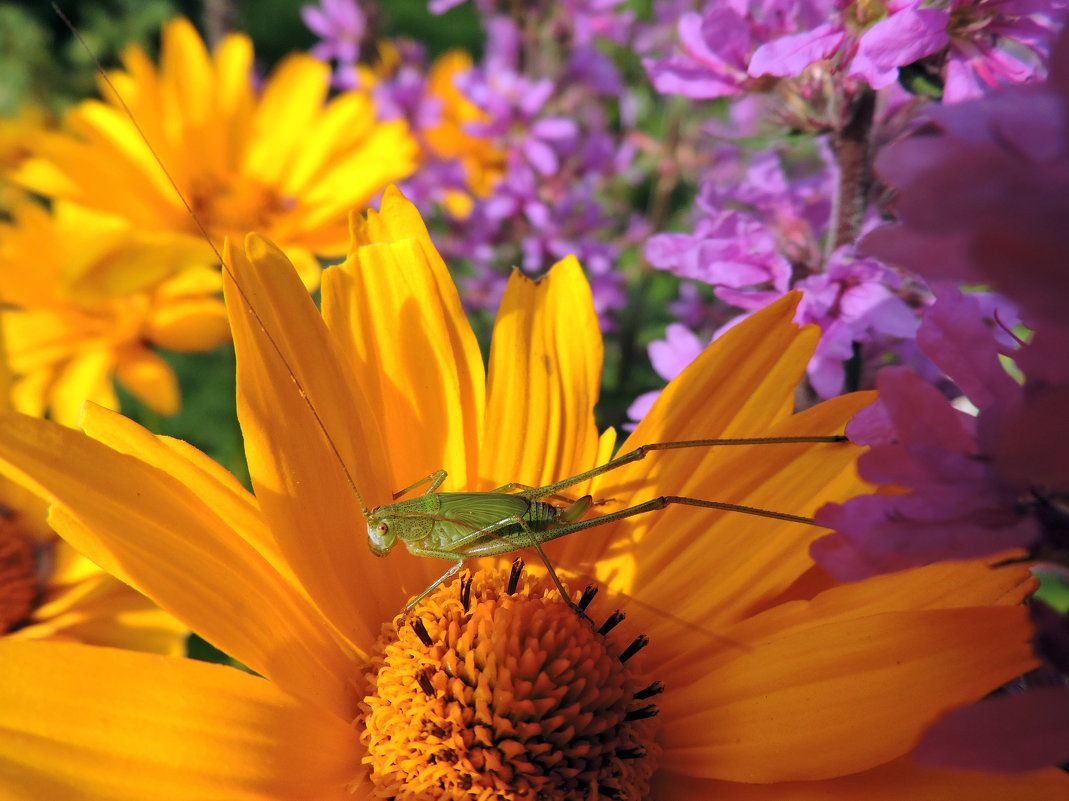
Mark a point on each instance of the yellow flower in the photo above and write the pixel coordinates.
(279, 160)
(777, 682)
(17, 137)
(48, 591)
(483, 163)
(449, 139)
(68, 332)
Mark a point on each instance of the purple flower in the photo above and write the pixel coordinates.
(716, 46)
(859, 40)
(716, 49)
(996, 43)
(983, 197)
(754, 224)
(340, 26)
(441, 6)
(974, 486)
(1013, 733)
(558, 156)
(670, 357)
(760, 236)
(855, 301)
(592, 20)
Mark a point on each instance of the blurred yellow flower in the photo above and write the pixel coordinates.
(483, 163)
(48, 591)
(17, 136)
(771, 680)
(448, 139)
(69, 331)
(280, 159)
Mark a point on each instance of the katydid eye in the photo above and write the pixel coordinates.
(382, 528)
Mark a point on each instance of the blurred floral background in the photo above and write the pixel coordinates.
(904, 165)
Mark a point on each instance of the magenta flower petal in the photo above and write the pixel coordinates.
(681, 76)
(671, 356)
(1011, 733)
(789, 55)
(905, 37)
(954, 337)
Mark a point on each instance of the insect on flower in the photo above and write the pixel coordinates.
(497, 689)
(456, 526)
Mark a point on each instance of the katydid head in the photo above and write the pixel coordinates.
(380, 539)
(409, 520)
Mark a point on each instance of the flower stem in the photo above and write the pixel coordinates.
(852, 144)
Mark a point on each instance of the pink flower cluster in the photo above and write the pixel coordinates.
(977, 485)
(983, 199)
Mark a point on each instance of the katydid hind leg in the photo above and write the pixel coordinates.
(537, 545)
(641, 452)
(512, 486)
(664, 501)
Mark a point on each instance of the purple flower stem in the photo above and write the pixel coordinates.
(667, 178)
(852, 144)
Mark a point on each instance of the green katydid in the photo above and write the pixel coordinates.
(455, 526)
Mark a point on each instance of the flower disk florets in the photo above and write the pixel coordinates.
(18, 575)
(492, 694)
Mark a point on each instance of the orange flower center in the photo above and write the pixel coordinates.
(18, 575)
(229, 206)
(498, 690)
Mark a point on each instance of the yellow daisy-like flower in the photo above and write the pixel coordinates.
(279, 160)
(771, 681)
(68, 333)
(48, 591)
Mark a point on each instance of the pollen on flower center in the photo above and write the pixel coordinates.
(496, 694)
(18, 575)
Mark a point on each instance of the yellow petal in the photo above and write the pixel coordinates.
(28, 394)
(103, 257)
(38, 339)
(187, 76)
(96, 723)
(192, 325)
(338, 128)
(396, 313)
(662, 556)
(387, 153)
(148, 377)
(740, 561)
(817, 692)
(233, 64)
(101, 610)
(294, 92)
(545, 374)
(87, 376)
(300, 416)
(206, 479)
(407, 345)
(441, 348)
(168, 541)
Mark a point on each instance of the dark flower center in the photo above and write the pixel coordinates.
(498, 690)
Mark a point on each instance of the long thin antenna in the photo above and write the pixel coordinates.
(226, 267)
